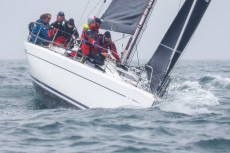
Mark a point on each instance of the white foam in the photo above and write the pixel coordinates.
(219, 79)
(189, 98)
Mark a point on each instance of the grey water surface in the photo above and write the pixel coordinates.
(193, 117)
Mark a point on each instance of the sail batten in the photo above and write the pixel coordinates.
(173, 50)
(123, 15)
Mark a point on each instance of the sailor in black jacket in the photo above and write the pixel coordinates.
(66, 31)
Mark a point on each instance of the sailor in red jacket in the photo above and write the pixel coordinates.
(90, 37)
(95, 27)
(106, 42)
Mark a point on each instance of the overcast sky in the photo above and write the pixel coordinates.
(211, 40)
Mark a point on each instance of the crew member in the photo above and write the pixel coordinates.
(61, 16)
(40, 28)
(90, 39)
(106, 42)
(48, 22)
(52, 30)
(95, 27)
(66, 33)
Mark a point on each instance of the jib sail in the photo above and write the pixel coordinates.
(123, 15)
(174, 42)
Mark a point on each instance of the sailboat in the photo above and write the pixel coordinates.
(62, 81)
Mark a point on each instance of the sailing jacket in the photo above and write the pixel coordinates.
(89, 39)
(52, 29)
(108, 45)
(41, 28)
(64, 30)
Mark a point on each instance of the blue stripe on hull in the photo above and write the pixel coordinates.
(52, 100)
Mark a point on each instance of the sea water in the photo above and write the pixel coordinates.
(194, 116)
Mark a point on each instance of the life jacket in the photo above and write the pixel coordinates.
(89, 37)
(85, 38)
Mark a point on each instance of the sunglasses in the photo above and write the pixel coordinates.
(49, 18)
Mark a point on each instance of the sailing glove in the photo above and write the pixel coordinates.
(95, 44)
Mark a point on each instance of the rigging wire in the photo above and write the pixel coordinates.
(122, 38)
(138, 61)
(91, 11)
(101, 8)
(107, 5)
(83, 14)
(179, 6)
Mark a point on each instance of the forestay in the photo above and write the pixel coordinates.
(174, 42)
(123, 15)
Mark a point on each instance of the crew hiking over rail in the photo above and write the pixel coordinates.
(91, 46)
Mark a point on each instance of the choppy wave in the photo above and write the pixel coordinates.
(215, 81)
(193, 117)
(189, 98)
(214, 145)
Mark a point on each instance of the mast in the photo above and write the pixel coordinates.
(133, 39)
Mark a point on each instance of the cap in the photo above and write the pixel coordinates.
(97, 20)
(61, 13)
(107, 34)
(71, 22)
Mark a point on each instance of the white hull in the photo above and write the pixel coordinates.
(80, 85)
